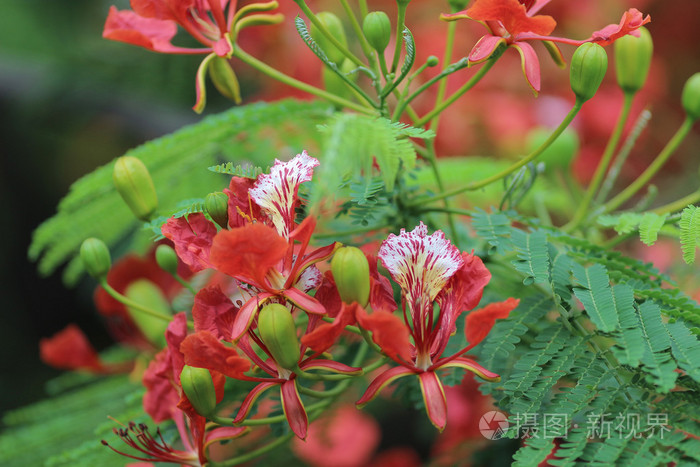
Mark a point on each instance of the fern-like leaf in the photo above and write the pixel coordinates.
(596, 296)
(533, 259)
(630, 347)
(238, 170)
(685, 348)
(656, 360)
(649, 227)
(494, 227)
(690, 233)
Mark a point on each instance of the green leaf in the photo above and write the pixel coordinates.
(630, 347)
(533, 258)
(657, 361)
(238, 170)
(493, 227)
(649, 227)
(685, 348)
(690, 233)
(596, 296)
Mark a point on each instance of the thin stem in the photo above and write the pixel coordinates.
(321, 394)
(401, 19)
(363, 8)
(507, 171)
(432, 159)
(288, 80)
(604, 163)
(252, 454)
(366, 48)
(457, 94)
(653, 168)
(314, 19)
(132, 304)
(352, 329)
(320, 377)
(679, 204)
(447, 58)
(185, 284)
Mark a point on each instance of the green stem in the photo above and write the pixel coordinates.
(321, 394)
(505, 172)
(432, 159)
(252, 454)
(400, 24)
(679, 204)
(185, 284)
(352, 329)
(288, 80)
(314, 19)
(457, 94)
(603, 165)
(653, 168)
(447, 58)
(366, 48)
(132, 304)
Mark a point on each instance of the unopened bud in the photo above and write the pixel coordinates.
(588, 67)
(166, 259)
(432, 61)
(335, 27)
(95, 257)
(560, 153)
(147, 294)
(224, 79)
(351, 273)
(134, 184)
(198, 386)
(216, 205)
(691, 97)
(633, 59)
(377, 29)
(279, 334)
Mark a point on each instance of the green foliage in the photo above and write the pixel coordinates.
(596, 296)
(177, 164)
(533, 259)
(690, 233)
(238, 170)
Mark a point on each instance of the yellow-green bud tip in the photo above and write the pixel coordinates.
(95, 257)
(199, 389)
(432, 61)
(134, 184)
(351, 273)
(588, 67)
(278, 333)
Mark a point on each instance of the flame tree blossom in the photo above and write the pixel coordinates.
(152, 24)
(513, 23)
(430, 270)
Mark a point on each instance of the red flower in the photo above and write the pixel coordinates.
(69, 349)
(514, 22)
(429, 269)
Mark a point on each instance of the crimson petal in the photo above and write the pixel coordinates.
(434, 398)
(382, 381)
(294, 409)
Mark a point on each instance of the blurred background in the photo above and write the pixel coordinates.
(71, 101)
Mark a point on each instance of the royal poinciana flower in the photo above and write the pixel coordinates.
(430, 270)
(514, 23)
(153, 24)
(165, 400)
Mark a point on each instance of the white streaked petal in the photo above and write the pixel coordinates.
(310, 278)
(276, 192)
(420, 263)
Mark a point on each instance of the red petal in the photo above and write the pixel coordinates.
(304, 301)
(381, 295)
(469, 365)
(248, 253)
(192, 237)
(242, 209)
(150, 33)
(70, 349)
(530, 64)
(244, 317)
(484, 48)
(161, 397)
(250, 399)
(294, 409)
(389, 332)
(434, 398)
(479, 322)
(213, 311)
(513, 15)
(631, 20)
(174, 335)
(223, 434)
(324, 336)
(203, 350)
(330, 365)
(382, 381)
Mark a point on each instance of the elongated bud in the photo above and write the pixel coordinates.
(588, 67)
(278, 332)
(351, 273)
(134, 184)
(216, 205)
(377, 29)
(95, 257)
(335, 84)
(632, 60)
(691, 97)
(560, 153)
(224, 79)
(199, 388)
(166, 259)
(149, 295)
(333, 24)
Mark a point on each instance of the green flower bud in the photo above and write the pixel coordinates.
(199, 388)
(377, 29)
(351, 273)
(146, 293)
(432, 61)
(335, 84)
(691, 97)
(134, 184)
(216, 205)
(95, 257)
(279, 334)
(166, 258)
(588, 67)
(560, 153)
(224, 79)
(632, 60)
(333, 24)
